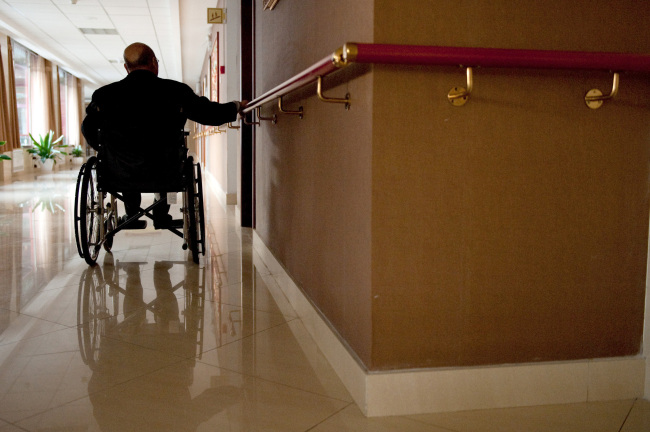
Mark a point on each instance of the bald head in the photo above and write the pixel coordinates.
(140, 56)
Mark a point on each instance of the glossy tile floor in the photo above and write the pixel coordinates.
(149, 341)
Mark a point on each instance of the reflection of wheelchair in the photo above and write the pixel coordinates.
(142, 351)
(115, 171)
(109, 310)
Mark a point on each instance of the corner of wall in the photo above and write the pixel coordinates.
(455, 389)
(646, 331)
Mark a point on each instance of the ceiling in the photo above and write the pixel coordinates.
(87, 37)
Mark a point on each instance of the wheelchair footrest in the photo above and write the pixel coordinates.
(135, 225)
(172, 223)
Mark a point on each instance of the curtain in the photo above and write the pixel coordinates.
(80, 109)
(73, 113)
(51, 100)
(39, 102)
(13, 134)
(4, 106)
(58, 127)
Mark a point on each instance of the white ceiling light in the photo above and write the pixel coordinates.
(98, 31)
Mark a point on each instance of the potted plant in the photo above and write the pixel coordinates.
(77, 155)
(46, 150)
(4, 157)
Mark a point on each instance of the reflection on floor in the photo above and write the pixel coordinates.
(149, 341)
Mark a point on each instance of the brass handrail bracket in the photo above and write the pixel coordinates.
(230, 126)
(246, 122)
(595, 98)
(273, 119)
(458, 96)
(319, 91)
(283, 111)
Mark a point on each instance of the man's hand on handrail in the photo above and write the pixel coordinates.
(240, 105)
(240, 108)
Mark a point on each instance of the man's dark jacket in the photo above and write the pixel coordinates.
(140, 121)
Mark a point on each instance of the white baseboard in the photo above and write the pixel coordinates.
(466, 388)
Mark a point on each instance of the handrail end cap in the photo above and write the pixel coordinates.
(345, 55)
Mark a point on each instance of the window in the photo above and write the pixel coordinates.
(69, 95)
(40, 104)
(21, 71)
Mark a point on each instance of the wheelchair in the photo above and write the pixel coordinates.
(103, 179)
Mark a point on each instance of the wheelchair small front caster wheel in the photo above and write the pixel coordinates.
(108, 243)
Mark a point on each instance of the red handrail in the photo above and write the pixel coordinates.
(309, 75)
(498, 57)
(435, 55)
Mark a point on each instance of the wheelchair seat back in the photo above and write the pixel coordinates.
(151, 163)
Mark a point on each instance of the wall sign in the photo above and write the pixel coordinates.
(216, 16)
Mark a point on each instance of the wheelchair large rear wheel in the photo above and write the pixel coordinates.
(189, 212)
(194, 226)
(77, 214)
(200, 220)
(90, 213)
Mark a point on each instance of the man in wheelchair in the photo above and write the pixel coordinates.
(137, 123)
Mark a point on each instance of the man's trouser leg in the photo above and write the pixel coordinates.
(132, 202)
(161, 216)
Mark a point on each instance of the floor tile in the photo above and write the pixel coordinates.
(351, 419)
(8, 427)
(191, 397)
(297, 364)
(583, 417)
(43, 372)
(639, 418)
(20, 327)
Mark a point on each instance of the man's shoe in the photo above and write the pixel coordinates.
(167, 222)
(172, 223)
(136, 224)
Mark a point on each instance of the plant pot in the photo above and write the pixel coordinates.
(48, 165)
(77, 160)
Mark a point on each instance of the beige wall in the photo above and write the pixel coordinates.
(513, 229)
(221, 149)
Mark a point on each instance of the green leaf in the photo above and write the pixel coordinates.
(4, 157)
(44, 148)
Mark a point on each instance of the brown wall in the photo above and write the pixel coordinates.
(517, 225)
(313, 175)
(513, 229)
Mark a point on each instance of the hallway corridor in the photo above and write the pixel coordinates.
(148, 341)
